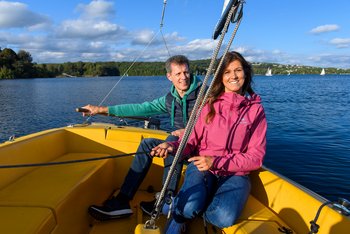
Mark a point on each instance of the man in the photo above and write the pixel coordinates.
(178, 103)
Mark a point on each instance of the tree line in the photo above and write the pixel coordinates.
(16, 65)
(20, 65)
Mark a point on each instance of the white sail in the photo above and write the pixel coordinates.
(268, 72)
(224, 6)
(323, 72)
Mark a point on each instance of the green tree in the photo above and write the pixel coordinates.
(6, 73)
(23, 66)
(24, 56)
(7, 58)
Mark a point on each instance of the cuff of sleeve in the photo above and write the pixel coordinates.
(173, 145)
(214, 166)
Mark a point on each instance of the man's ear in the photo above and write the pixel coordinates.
(169, 77)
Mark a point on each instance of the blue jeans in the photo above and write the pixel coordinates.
(141, 164)
(220, 199)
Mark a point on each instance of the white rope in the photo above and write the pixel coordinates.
(137, 58)
(127, 70)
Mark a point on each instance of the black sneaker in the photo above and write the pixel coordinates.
(147, 206)
(111, 209)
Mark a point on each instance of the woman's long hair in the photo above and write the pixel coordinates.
(218, 87)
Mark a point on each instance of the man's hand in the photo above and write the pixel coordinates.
(93, 110)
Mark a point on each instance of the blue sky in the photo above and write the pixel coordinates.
(302, 32)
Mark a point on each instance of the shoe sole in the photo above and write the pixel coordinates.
(103, 216)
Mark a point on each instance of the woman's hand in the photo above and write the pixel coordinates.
(203, 163)
(162, 150)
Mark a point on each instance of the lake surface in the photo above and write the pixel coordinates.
(308, 118)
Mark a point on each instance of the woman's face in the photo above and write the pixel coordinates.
(233, 77)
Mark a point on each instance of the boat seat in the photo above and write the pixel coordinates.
(17, 220)
(47, 194)
(257, 218)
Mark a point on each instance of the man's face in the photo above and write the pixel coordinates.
(180, 77)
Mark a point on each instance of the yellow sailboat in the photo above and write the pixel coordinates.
(50, 178)
(44, 198)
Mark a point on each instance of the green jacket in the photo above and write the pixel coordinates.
(155, 107)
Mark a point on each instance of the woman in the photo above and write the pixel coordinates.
(227, 143)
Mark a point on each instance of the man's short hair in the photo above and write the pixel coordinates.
(177, 59)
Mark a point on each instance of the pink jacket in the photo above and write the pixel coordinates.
(236, 137)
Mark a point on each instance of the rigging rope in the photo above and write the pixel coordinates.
(138, 57)
(68, 161)
(200, 102)
(161, 27)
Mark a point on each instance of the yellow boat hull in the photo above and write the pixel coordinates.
(54, 199)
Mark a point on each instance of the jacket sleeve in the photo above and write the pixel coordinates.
(253, 157)
(154, 107)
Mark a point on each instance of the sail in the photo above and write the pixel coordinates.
(268, 72)
(323, 72)
(228, 4)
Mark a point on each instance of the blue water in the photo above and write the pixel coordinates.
(308, 118)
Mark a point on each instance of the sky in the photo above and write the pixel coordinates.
(297, 32)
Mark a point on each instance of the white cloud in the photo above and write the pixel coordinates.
(93, 23)
(200, 46)
(324, 28)
(195, 49)
(340, 42)
(17, 15)
(49, 55)
(330, 60)
(144, 37)
(97, 9)
(88, 29)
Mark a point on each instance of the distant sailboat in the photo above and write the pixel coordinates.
(268, 72)
(323, 72)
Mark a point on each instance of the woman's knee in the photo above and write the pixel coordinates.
(189, 209)
(222, 218)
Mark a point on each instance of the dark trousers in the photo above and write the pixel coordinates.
(141, 164)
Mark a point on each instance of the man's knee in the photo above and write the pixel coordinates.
(171, 138)
(148, 141)
(148, 144)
